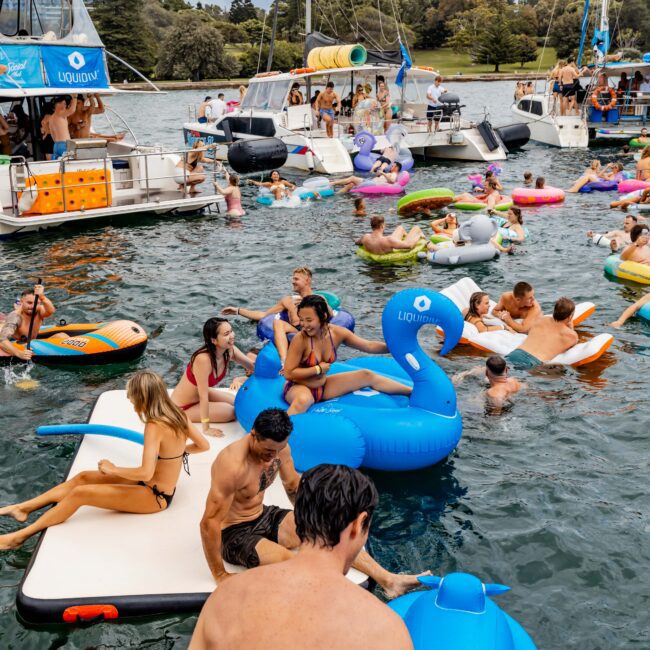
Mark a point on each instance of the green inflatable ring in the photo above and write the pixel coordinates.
(634, 142)
(396, 257)
(432, 199)
(504, 206)
(332, 299)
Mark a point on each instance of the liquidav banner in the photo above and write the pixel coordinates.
(20, 66)
(74, 67)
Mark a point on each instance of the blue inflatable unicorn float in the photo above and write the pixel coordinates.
(376, 430)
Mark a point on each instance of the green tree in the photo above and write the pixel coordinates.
(565, 33)
(253, 31)
(285, 56)
(125, 33)
(241, 10)
(194, 49)
(526, 49)
(496, 43)
(468, 26)
(175, 5)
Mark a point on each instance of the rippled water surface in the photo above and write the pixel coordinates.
(550, 498)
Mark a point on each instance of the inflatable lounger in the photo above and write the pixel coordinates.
(503, 342)
(131, 565)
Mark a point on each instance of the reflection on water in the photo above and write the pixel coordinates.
(544, 497)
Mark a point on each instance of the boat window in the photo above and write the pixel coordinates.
(35, 17)
(266, 95)
(524, 105)
(279, 90)
(536, 108)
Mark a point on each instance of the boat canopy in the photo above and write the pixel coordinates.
(57, 22)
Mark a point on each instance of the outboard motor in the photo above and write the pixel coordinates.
(257, 155)
(514, 136)
(451, 106)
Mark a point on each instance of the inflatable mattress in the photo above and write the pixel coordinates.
(503, 342)
(102, 564)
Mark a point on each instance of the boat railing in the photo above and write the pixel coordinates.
(108, 110)
(21, 169)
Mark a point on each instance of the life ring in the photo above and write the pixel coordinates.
(302, 70)
(597, 93)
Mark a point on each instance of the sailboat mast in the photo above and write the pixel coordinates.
(604, 27)
(307, 17)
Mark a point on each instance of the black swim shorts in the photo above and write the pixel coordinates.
(238, 542)
(383, 159)
(434, 112)
(568, 90)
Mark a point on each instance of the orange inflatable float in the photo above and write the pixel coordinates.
(88, 343)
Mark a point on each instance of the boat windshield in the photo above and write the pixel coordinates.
(52, 21)
(265, 95)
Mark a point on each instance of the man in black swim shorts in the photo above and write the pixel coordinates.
(238, 528)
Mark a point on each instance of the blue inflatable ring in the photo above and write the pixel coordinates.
(265, 326)
(457, 614)
(399, 433)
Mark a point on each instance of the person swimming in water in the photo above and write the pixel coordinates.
(377, 243)
(279, 187)
(615, 238)
(146, 489)
(501, 388)
(447, 225)
(196, 392)
(312, 352)
(631, 311)
(232, 193)
(359, 207)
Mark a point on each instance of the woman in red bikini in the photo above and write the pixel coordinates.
(196, 393)
(313, 350)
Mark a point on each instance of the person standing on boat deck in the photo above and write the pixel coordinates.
(307, 602)
(201, 113)
(383, 98)
(548, 337)
(237, 527)
(217, 107)
(59, 125)
(146, 489)
(518, 304)
(569, 76)
(623, 86)
(16, 325)
(326, 106)
(80, 122)
(434, 109)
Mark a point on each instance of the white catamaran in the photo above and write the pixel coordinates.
(50, 50)
(607, 110)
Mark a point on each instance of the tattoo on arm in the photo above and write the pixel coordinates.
(268, 475)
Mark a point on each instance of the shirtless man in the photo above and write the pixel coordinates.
(238, 528)
(324, 106)
(644, 138)
(377, 243)
(80, 122)
(640, 199)
(568, 76)
(16, 325)
(519, 303)
(638, 250)
(500, 387)
(301, 279)
(615, 238)
(548, 337)
(202, 111)
(351, 182)
(307, 602)
(58, 125)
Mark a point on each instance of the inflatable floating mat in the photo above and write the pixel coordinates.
(503, 342)
(130, 565)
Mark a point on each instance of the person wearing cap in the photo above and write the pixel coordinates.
(203, 110)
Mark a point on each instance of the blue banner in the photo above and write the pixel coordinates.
(20, 66)
(74, 67)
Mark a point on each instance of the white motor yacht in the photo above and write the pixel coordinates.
(49, 52)
(266, 113)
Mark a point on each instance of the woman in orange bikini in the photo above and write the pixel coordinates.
(313, 350)
(168, 439)
(195, 393)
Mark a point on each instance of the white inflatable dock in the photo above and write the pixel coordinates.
(104, 564)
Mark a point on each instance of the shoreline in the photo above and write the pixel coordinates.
(235, 83)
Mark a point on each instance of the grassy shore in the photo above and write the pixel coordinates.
(448, 62)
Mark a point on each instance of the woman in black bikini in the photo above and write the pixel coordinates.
(145, 489)
(313, 350)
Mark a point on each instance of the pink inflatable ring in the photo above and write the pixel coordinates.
(373, 186)
(631, 185)
(533, 196)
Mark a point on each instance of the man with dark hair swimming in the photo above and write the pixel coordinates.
(238, 528)
(518, 304)
(306, 602)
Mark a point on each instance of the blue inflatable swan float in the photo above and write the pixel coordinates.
(376, 430)
(456, 614)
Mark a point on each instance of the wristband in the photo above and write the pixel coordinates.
(205, 420)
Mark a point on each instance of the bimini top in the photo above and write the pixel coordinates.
(299, 73)
(49, 48)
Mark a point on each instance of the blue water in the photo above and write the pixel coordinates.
(549, 498)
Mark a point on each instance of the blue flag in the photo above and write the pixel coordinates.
(406, 65)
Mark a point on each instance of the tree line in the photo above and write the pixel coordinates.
(171, 39)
